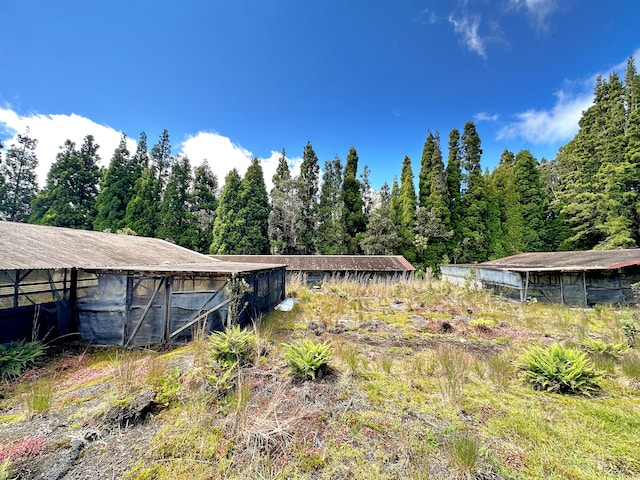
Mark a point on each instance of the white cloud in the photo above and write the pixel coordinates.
(223, 155)
(485, 117)
(538, 10)
(546, 127)
(426, 16)
(51, 131)
(467, 27)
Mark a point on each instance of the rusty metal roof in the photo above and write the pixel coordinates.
(567, 261)
(325, 263)
(31, 247)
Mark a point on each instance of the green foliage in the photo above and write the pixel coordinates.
(381, 237)
(306, 222)
(166, 391)
(465, 453)
(5, 469)
(17, 356)
(629, 330)
(232, 346)
(227, 231)
(353, 217)
(205, 204)
(331, 210)
(284, 206)
(254, 212)
(406, 211)
(559, 369)
(631, 365)
(307, 358)
(18, 183)
(597, 346)
(39, 397)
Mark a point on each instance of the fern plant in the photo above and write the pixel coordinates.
(306, 358)
(233, 346)
(17, 356)
(558, 369)
(597, 346)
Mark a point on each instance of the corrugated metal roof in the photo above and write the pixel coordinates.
(567, 261)
(31, 247)
(324, 263)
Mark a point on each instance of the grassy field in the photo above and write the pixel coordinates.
(424, 382)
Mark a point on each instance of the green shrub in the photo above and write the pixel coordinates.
(232, 346)
(305, 359)
(629, 329)
(596, 346)
(17, 356)
(558, 369)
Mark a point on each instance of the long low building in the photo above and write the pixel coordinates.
(583, 278)
(120, 289)
(319, 268)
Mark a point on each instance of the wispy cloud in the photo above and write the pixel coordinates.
(485, 117)
(537, 10)
(467, 27)
(426, 16)
(546, 127)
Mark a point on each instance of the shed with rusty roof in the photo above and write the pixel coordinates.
(119, 289)
(581, 278)
(319, 268)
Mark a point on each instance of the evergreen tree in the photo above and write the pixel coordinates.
(18, 184)
(205, 204)
(142, 212)
(367, 192)
(254, 212)
(352, 204)
(407, 203)
(394, 202)
(529, 189)
(284, 205)
(381, 236)
(331, 209)
(162, 159)
(177, 223)
(453, 176)
(116, 189)
(69, 196)
(307, 186)
(426, 171)
(474, 203)
(227, 227)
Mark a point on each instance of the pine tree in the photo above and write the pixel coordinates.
(142, 214)
(116, 189)
(453, 176)
(426, 171)
(284, 205)
(474, 203)
(176, 222)
(331, 209)
(69, 196)
(407, 203)
(307, 186)
(529, 188)
(227, 229)
(205, 204)
(254, 212)
(352, 204)
(162, 159)
(18, 184)
(381, 236)
(367, 192)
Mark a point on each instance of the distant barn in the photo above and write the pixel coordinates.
(119, 289)
(586, 278)
(319, 268)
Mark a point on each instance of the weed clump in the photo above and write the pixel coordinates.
(558, 369)
(233, 346)
(307, 358)
(17, 356)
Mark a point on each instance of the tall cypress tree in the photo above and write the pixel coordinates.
(227, 228)
(331, 233)
(407, 203)
(308, 186)
(352, 204)
(205, 204)
(529, 188)
(426, 171)
(254, 212)
(69, 196)
(453, 176)
(284, 205)
(18, 183)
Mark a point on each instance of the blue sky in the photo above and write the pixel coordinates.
(242, 78)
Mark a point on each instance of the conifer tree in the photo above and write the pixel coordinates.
(308, 186)
(253, 216)
(426, 171)
(407, 203)
(177, 223)
(529, 189)
(205, 204)
(18, 183)
(69, 196)
(453, 176)
(284, 205)
(352, 204)
(331, 233)
(227, 227)
(381, 236)
(142, 212)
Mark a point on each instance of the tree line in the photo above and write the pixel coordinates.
(587, 197)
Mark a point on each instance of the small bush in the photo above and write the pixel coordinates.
(596, 346)
(233, 346)
(559, 369)
(629, 330)
(305, 359)
(17, 356)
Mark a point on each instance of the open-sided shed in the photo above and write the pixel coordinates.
(319, 268)
(582, 278)
(119, 289)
